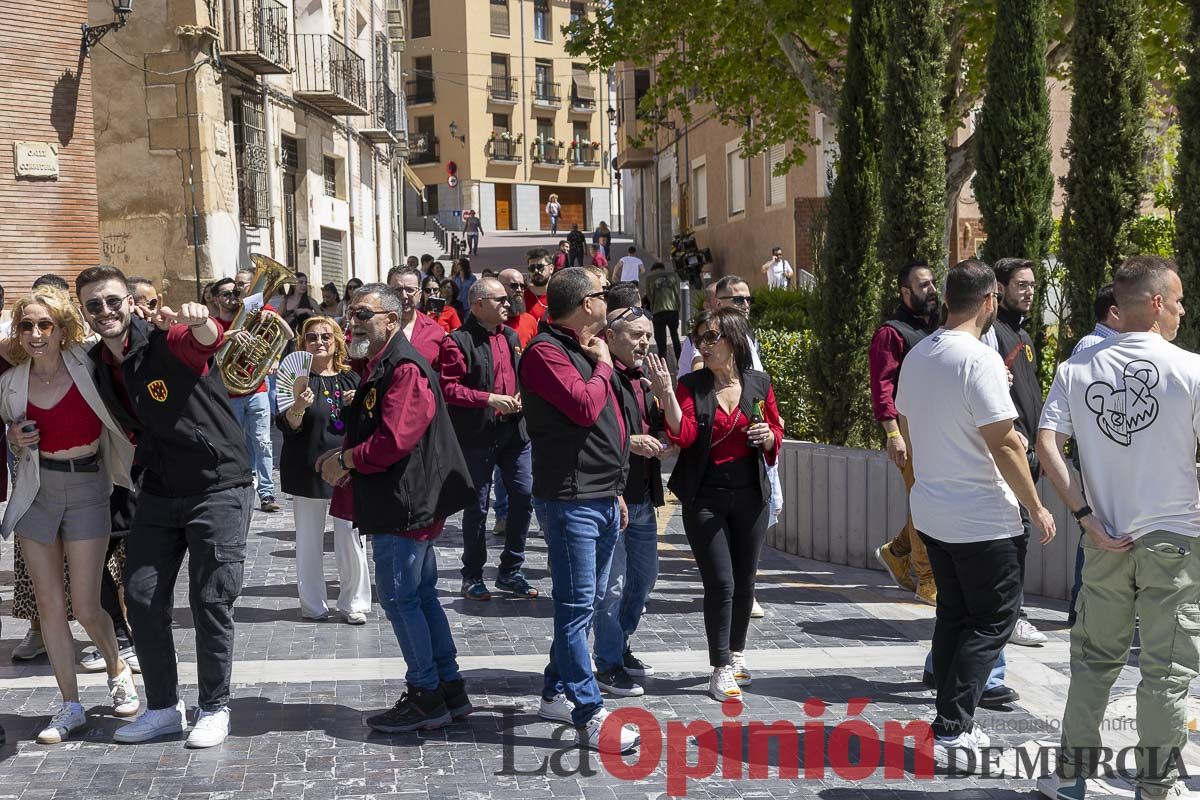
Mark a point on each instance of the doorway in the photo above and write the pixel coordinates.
(503, 206)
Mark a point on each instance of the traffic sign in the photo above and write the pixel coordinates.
(452, 181)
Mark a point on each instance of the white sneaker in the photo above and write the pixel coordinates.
(962, 750)
(723, 686)
(68, 720)
(210, 728)
(1027, 635)
(31, 646)
(154, 723)
(589, 736)
(756, 611)
(557, 710)
(355, 618)
(1057, 787)
(980, 736)
(92, 661)
(125, 700)
(737, 661)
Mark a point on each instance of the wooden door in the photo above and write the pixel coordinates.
(573, 200)
(504, 206)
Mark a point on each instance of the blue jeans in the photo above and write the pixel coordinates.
(273, 393)
(580, 537)
(995, 677)
(406, 578)
(253, 412)
(512, 457)
(500, 493)
(630, 579)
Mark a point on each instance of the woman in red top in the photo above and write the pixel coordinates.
(448, 318)
(725, 421)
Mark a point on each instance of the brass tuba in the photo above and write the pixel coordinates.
(244, 366)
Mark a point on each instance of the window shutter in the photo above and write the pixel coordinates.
(500, 18)
(776, 184)
(584, 90)
(737, 182)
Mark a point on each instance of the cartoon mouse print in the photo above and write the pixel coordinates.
(1124, 410)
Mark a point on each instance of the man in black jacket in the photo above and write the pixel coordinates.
(164, 388)
(479, 381)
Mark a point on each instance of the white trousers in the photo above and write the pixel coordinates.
(349, 552)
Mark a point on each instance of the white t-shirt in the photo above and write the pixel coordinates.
(778, 273)
(1133, 404)
(631, 268)
(951, 385)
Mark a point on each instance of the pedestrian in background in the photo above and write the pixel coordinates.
(662, 293)
(553, 211)
(778, 271)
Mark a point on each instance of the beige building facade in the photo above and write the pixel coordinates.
(500, 117)
(231, 127)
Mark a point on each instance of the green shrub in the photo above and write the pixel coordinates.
(1152, 236)
(781, 309)
(783, 355)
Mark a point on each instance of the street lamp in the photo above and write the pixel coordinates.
(454, 132)
(94, 33)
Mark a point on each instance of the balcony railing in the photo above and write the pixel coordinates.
(257, 36)
(502, 90)
(419, 91)
(584, 156)
(330, 75)
(546, 94)
(382, 127)
(422, 149)
(505, 151)
(546, 153)
(252, 184)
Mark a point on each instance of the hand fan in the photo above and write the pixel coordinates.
(292, 367)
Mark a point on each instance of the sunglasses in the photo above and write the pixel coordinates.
(515, 285)
(633, 312)
(739, 300)
(313, 338)
(502, 299)
(43, 325)
(600, 295)
(539, 267)
(364, 314)
(229, 293)
(96, 305)
(709, 338)
(432, 290)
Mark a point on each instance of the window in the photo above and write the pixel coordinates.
(776, 184)
(583, 93)
(500, 122)
(578, 11)
(545, 128)
(250, 154)
(641, 86)
(735, 179)
(422, 85)
(580, 132)
(420, 19)
(329, 168)
(291, 153)
(543, 80)
(699, 193)
(501, 87)
(423, 146)
(541, 20)
(500, 25)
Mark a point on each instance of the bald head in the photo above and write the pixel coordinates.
(489, 302)
(1149, 295)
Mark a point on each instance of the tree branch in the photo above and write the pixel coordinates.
(960, 166)
(803, 65)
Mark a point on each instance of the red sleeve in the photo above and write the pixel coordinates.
(687, 426)
(183, 345)
(884, 361)
(453, 319)
(405, 413)
(453, 366)
(775, 423)
(547, 371)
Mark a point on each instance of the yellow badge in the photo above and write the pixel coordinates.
(369, 403)
(158, 390)
(1029, 354)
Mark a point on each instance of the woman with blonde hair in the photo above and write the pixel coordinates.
(312, 426)
(70, 452)
(553, 211)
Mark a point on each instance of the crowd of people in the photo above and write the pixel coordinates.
(550, 393)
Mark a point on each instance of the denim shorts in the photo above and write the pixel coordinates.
(73, 504)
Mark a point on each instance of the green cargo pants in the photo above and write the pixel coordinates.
(1156, 583)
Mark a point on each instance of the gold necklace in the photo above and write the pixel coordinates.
(52, 379)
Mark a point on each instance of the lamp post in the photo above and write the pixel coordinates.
(94, 33)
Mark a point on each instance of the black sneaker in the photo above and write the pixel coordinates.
(516, 584)
(268, 504)
(416, 710)
(454, 693)
(998, 697)
(475, 590)
(616, 681)
(635, 666)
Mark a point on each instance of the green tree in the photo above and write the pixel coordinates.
(1187, 180)
(1105, 145)
(914, 162)
(843, 315)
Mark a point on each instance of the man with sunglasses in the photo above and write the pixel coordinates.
(540, 267)
(479, 381)
(145, 296)
(164, 389)
(579, 427)
(520, 320)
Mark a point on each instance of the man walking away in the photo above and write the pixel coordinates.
(968, 461)
(662, 290)
(472, 229)
(1133, 403)
(576, 244)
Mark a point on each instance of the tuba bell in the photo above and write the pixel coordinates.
(244, 366)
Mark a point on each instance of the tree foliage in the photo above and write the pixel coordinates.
(848, 281)
(1105, 145)
(1187, 181)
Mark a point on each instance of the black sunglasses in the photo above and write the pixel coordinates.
(710, 338)
(600, 295)
(364, 314)
(96, 305)
(738, 300)
(633, 312)
(228, 293)
(514, 285)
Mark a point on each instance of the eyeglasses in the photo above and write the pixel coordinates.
(313, 338)
(539, 266)
(600, 295)
(43, 325)
(502, 299)
(364, 314)
(229, 293)
(631, 313)
(407, 290)
(739, 300)
(998, 295)
(709, 338)
(1024, 286)
(96, 305)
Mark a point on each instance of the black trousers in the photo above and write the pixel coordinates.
(211, 530)
(110, 596)
(979, 596)
(665, 321)
(513, 457)
(726, 529)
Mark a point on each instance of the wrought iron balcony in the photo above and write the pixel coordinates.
(419, 91)
(546, 153)
(330, 75)
(502, 90)
(504, 151)
(546, 95)
(584, 157)
(422, 149)
(382, 127)
(256, 36)
(252, 185)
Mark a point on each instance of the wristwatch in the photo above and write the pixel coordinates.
(341, 459)
(1083, 512)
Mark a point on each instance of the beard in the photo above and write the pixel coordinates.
(987, 326)
(929, 308)
(539, 278)
(359, 347)
(516, 304)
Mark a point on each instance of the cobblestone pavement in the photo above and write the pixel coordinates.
(303, 688)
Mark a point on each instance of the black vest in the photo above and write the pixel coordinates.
(188, 440)
(477, 426)
(688, 476)
(1016, 348)
(910, 327)
(645, 474)
(427, 485)
(574, 462)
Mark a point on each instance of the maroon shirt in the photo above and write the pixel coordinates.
(454, 370)
(548, 371)
(427, 337)
(887, 349)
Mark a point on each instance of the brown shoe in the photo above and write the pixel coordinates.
(896, 566)
(927, 592)
(268, 504)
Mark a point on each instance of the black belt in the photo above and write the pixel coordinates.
(86, 464)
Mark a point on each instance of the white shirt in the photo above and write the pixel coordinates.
(1133, 404)
(778, 273)
(631, 268)
(952, 385)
